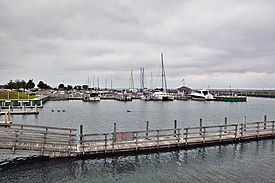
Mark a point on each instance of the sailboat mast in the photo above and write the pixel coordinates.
(163, 78)
(162, 71)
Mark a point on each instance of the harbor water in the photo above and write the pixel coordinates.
(243, 162)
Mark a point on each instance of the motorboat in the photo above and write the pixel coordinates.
(162, 96)
(94, 97)
(201, 95)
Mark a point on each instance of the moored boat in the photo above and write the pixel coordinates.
(201, 95)
(163, 95)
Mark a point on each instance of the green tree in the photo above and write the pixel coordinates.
(85, 87)
(10, 85)
(69, 87)
(61, 86)
(43, 85)
(30, 84)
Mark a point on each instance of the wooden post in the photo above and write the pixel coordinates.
(200, 126)
(114, 137)
(175, 128)
(9, 117)
(265, 121)
(236, 132)
(220, 133)
(204, 135)
(242, 130)
(178, 137)
(81, 139)
(81, 134)
(186, 136)
(258, 129)
(114, 132)
(14, 143)
(6, 119)
(157, 139)
(225, 124)
(147, 128)
(136, 140)
(273, 128)
(244, 122)
(105, 135)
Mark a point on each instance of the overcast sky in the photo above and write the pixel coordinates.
(212, 43)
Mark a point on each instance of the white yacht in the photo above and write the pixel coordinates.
(201, 95)
(162, 96)
(94, 97)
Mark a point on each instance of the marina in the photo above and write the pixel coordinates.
(124, 133)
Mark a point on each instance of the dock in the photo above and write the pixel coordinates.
(56, 142)
(37, 140)
(20, 112)
(231, 98)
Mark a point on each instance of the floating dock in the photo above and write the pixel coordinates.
(20, 112)
(230, 98)
(58, 142)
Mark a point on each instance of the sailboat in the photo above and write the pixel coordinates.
(163, 95)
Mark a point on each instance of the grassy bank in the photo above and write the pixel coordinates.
(14, 95)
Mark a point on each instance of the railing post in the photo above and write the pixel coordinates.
(136, 140)
(220, 133)
(44, 141)
(81, 138)
(81, 134)
(178, 137)
(6, 119)
(147, 129)
(204, 135)
(157, 139)
(244, 122)
(258, 129)
(14, 143)
(70, 142)
(186, 136)
(105, 139)
(200, 126)
(175, 128)
(114, 137)
(265, 121)
(236, 132)
(242, 130)
(225, 124)
(273, 128)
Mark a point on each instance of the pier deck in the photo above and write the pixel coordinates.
(63, 142)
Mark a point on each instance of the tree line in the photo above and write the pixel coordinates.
(22, 84)
(18, 84)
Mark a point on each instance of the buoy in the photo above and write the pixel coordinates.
(128, 111)
(63, 110)
(52, 110)
(58, 110)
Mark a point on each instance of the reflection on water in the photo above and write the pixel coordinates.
(244, 162)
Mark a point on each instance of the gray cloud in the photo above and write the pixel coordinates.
(209, 43)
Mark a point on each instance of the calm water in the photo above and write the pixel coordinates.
(244, 162)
